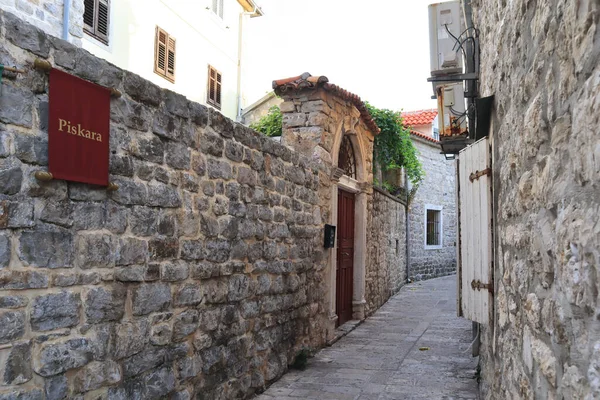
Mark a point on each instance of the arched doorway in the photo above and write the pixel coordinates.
(349, 210)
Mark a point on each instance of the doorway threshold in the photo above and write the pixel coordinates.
(343, 330)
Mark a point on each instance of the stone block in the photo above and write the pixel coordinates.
(177, 104)
(105, 303)
(185, 324)
(198, 164)
(51, 249)
(26, 36)
(31, 149)
(130, 192)
(172, 272)
(143, 361)
(161, 334)
(33, 394)
(219, 169)
(53, 311)
(149, 149)
(291, 120)
(161, 195)
(58, 213)
(189, 294)
(177, 155)
(56, 387)
(55, 358)
(143, 220)
(132, 251)
(246, 176)
(234, 151)
(151, 297)
(129, 338)
(199, 114)
(141, 89)
(95, 251)
(12, 326)
(96, 375)
(18, 280)
(219, 123)
(217, 250)
(11, 175)
(163, 248)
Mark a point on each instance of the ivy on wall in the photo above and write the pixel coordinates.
(393, 148)
(270, 124)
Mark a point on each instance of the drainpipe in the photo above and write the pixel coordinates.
(66, 13)
(257, 12)
(407, 225)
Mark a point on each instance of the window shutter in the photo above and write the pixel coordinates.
(474, 205)
(89, 15)
(214, 87)
(102, 19)
(160, 54)
(171, 59)
(218, 89)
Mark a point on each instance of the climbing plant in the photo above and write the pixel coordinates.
(393, 148)
(270, 124)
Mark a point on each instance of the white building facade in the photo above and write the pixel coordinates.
(195, 48)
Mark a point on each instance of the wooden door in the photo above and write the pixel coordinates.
(345, 257)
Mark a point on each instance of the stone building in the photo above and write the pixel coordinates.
(432, 211)
(255, 111)
(541, 61)
(205, 273)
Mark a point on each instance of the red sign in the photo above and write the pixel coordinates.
(78, 129)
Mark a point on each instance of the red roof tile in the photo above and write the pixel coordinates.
(423, 136)
(421, 117)
(307, 81)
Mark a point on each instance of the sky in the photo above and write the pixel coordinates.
(377, 49)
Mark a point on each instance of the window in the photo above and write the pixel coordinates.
(95, 19)
(346, 160)
(214, 88)
(217, 8)
(164, 55)
(433, 227)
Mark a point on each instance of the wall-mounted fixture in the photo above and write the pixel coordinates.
(454, 57)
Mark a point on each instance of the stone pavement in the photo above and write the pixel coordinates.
(381, 358)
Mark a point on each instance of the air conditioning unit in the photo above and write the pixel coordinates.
(452, 113)
(445, 27)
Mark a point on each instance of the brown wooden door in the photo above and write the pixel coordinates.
(345, 256)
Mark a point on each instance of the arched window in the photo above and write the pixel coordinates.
(346, 160)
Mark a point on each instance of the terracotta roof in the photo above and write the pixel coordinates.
(307, 81)
(421, 117)
(422, 136)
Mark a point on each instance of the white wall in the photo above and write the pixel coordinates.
(202, 39)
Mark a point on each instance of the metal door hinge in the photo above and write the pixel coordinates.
(478, 285)
(478, 174)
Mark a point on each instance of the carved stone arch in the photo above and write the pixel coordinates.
(359, 152)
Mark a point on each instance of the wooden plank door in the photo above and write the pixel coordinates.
(475, 231)
(345, 257)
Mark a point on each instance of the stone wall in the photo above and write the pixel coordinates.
(201, 276)
(48, 16)
(541, 60)
(386, 269)
(436, 189)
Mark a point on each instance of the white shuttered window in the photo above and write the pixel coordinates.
(474, 205)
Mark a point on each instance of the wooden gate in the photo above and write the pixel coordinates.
(345, 257)
(475, 284)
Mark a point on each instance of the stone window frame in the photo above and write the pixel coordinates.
(433, 207)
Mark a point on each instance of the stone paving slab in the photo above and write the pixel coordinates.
(381, 360)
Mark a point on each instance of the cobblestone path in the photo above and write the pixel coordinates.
(381, 358)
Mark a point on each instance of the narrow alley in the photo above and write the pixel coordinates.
(381, 359)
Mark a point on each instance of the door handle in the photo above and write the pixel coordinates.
(345, 254)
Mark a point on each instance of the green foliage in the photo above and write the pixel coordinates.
(393, 148)
(270, 124)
